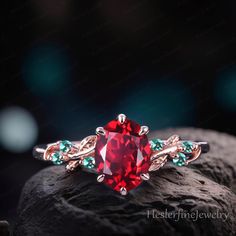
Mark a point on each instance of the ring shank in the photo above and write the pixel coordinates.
(39, 150)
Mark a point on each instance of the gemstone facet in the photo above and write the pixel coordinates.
(57, 158)
(188, 146)
(89, 162)
(65, 146)
(156, 144)
(180, 159)
(122, 155)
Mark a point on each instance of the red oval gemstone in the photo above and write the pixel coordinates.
(122, 155)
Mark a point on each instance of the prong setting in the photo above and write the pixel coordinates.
(123, 191)
(121, 118)
(100, 131)
(145, 176)
(143, 130)
(100, 178)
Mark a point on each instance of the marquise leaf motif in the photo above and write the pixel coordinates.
(158, 163)
(88, 143)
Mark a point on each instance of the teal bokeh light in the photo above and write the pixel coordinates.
(160, 104)
(18, 129)
(46, 69)
(225, 91)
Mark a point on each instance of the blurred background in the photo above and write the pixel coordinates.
(69, 66)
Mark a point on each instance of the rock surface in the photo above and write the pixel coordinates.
(56, 203)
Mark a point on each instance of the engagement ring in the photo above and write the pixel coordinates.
(121, 154)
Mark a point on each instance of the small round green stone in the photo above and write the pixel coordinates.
(156, 144)
(57, 158)
(65, 146)
(188, 146)
(89, 162)
(180, 160)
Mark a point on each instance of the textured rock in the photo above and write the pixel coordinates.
(56, 203)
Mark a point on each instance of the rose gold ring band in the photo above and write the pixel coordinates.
(43, 151)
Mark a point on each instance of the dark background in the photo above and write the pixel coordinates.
(74, 65)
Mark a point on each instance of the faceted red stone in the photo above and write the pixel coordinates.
(122, 155)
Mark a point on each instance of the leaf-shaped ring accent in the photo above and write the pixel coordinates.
(86, 148)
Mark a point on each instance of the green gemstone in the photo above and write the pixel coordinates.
(57, 158)
(65, 146)
(180, 160)
(188, 146)
(156, 144)
(89, 162)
